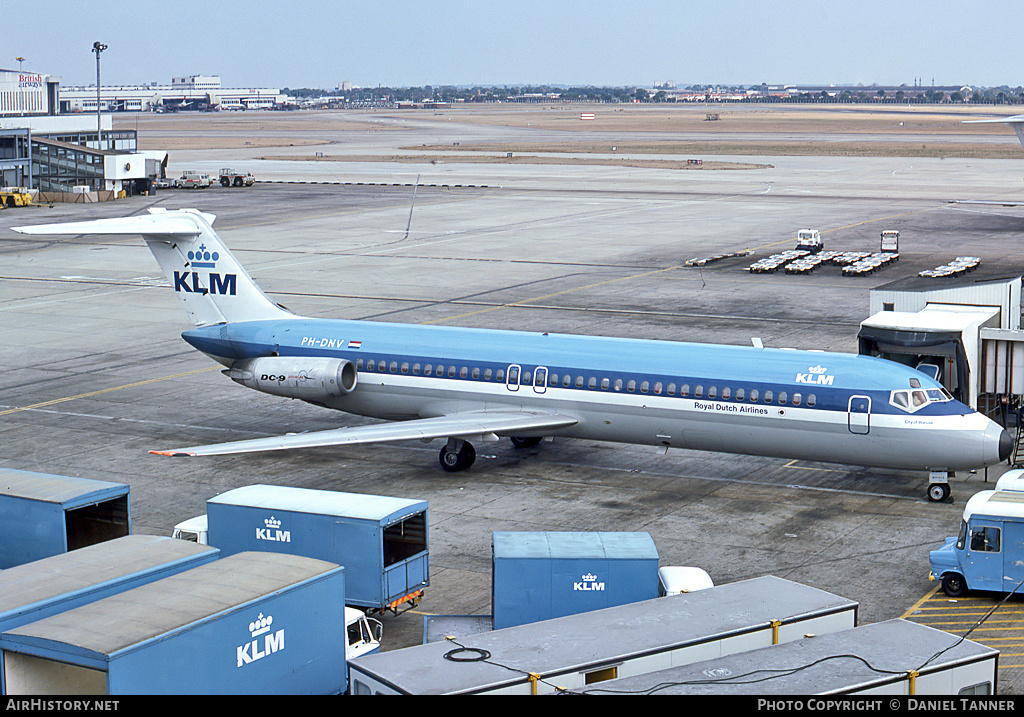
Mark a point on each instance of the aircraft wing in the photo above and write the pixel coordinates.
(472, 424)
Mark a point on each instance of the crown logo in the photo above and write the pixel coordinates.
(272, 522)
(203, 258)
(589, 577)
(260, 625)
(817, 369)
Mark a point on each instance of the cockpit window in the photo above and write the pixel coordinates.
(912, 400)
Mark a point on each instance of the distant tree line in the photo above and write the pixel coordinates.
(757, 93)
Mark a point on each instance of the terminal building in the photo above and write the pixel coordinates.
(194, 92)
(55, 141)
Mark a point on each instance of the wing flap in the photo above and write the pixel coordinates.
(459, 425)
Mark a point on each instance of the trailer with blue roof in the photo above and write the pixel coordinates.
(381, 541)
(42, 588)
(251, 623)
(43, 514)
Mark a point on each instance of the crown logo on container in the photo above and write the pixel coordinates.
(260, 625)
(272, 522)
(817, 369)
(589, 577)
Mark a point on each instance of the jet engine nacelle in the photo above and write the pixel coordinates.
(311, 379)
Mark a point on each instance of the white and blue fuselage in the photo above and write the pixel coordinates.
(469, 385)
(772, 402)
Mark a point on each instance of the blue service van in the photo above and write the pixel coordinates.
(988, 553)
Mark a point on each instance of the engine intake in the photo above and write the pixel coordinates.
(310, 379)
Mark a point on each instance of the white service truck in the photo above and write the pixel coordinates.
(234, 178)
(809, 240)
(191, 179)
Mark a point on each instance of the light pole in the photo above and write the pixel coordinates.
(20, 60)
(98, 47)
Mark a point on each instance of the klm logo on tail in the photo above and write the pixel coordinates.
(188, 281)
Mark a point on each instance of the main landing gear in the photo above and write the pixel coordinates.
(458, 454)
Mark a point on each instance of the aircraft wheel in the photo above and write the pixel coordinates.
(938, 492)
(525, 442)
(954, 585)
(453, 461)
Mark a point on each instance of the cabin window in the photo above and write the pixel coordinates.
(476, 372)
(553, 379)
(405, 367)
(645, 386)
(488, 373)
(566, 380)
(382, 366)
(605, 383)
(797, 398)
(768, 396)
(631, 386)
(463, 372)
(592, 383)
(451, 372)
(527, 378)
(579, 382)
(657, 388)
(370, 365)
(782, 396)
(713, 392)
(740, 394)
(726, 394)
(753, 395)
(811, 400)
(618, 384)
(671, 389)
(359, 364)
(394, 367)
(684, 390)
(698, 391)
(416, 369)
(428, 369)
(499, 375)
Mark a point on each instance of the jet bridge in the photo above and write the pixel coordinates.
(941, 340)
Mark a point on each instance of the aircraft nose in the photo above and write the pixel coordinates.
(1005, 445)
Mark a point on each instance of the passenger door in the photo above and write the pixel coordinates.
(859, 414)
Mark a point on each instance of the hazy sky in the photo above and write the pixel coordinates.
(296, 44)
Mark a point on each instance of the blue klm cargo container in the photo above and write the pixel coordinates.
(42, 588)
(539, 575)
(381, 541)
(43, 515)
(252, 623)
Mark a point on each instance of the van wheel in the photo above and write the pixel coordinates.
(954, 585)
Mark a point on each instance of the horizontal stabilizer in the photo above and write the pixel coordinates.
(458, 425)
(158, 224)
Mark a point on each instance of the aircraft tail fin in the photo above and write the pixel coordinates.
(213, 287)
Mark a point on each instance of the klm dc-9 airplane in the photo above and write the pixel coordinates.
(468, 385)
